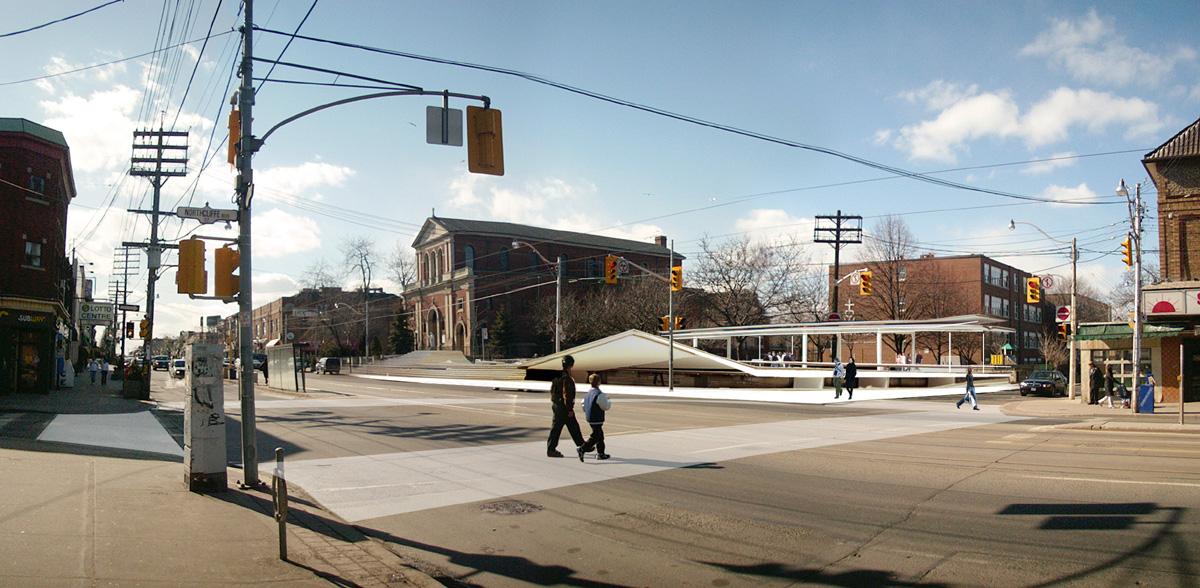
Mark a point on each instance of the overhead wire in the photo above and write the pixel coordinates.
(58, 20)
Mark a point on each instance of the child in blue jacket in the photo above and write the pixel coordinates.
(595, 404)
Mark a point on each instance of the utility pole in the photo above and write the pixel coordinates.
(671, 322)
(1074, 347)
(247, 145)
(124, 263)
(148, 162)
(560, 273)
(1137, 295)
(838, 230)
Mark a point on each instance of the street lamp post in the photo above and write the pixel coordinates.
(1135, 214)
(1073, 366)
(558, 283)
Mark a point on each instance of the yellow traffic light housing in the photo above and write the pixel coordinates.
(1064, 330)
(664, 322)
(191, 277)
(227, 283)
(677, 278)
(865, 287)
(235, 135)
(1127, 249)
(144, 329)
(1033, 290)
(485, 141)
(610, 270)
(680, 323)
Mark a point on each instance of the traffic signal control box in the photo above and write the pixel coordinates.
(227, 283)
(485, 141)
(191, 277)
(865, 286)
(1033, 290)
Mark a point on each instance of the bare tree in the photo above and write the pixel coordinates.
(1121, 297)
(319, 274)
(747, 282)
(360, 258)
(1054, 349)
(402, 265)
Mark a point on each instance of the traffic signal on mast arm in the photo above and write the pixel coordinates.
(676, 278)
(1127, 248)
(129, 330)
(227, 284)
(191, 277)
(1033, 290)
(235, 135)
(485, 141)
(865, 287)
(610, 270)
(144, 329)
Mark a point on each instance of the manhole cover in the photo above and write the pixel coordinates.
(510, 507)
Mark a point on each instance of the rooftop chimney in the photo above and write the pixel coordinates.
(661, 241)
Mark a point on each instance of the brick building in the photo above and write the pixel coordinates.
(468, 272)
(321, 320)
(36, 187)
(1174, 168)
(937, 287)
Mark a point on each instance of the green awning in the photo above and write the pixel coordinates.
(1117, 331)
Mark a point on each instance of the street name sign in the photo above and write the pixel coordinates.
(129, 307)
(207, 215)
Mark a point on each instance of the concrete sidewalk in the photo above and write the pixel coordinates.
(93, 511)
(1165, 418)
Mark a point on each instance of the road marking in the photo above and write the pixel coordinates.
(1068, 479)
(138, 431)
(364, 487)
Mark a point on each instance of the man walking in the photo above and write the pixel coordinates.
(104, 367)
(1096, 379)
(839, 372)
(851, 378)
(93, 367)
(970, 395)
(562, 401)
(595, 404)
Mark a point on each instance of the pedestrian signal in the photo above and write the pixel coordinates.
(1064, 330)
(129, 330)
(610, 270)
(1033, 290)
(680, 323)
(664, 322)
(865, 287)
(191, 277)
(1127, 251)
(226, 284)
(677, 278)
(485, 141)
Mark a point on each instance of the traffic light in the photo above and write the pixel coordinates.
(677, 278)
(610, 270)
(485, 141)
(664, 322)
(226, 283)
(144, 329)
(129, 330)
(865, 287)
(191, 277)
(1033, 290)
(1127, 248)
(235, 135)
(680, 323)
(1064, 330)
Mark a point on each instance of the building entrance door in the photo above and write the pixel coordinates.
(28, 362)
(1191, 370)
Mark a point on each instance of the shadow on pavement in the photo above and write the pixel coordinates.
(864, 578)
(462, 433)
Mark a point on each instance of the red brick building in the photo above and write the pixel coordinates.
(468, 271)
(938, 287)
(36, 187)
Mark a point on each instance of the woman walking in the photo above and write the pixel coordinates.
(970, 395)
(595, 404)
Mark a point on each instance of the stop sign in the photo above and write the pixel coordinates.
(1063, 314)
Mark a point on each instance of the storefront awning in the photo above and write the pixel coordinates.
(1117, 331)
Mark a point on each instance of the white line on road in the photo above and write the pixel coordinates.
(1068, 479)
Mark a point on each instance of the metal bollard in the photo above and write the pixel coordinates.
(280, 499)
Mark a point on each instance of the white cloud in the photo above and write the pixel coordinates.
(1091, 50)
(1055, 161)
(1080, 193)
(283, 181)
(940, 94)
(98, 127)
(277, 233)
(882, 137)
(997, 115)
(768, 225)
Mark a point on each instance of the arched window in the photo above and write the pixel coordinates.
(504, 259)
(469, 257)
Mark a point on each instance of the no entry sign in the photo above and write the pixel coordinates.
(1063, 314)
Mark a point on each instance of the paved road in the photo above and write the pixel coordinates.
(710, 493)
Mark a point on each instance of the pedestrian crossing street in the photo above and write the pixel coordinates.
(365, 487)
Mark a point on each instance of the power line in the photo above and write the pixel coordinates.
(291, 38)
(196, 67)
(63, 19)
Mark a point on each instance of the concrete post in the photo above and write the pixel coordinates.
(204, 420)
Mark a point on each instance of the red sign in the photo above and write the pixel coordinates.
(1063, 314)
(833, 316)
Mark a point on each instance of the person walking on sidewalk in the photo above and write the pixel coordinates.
(562, 402)
(839, 373)
(1109, 390)
(851, 378)
(93, 367)
(595, 404)
(104, 367)
(970, 395)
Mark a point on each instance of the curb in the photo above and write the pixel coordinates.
(1129, 427)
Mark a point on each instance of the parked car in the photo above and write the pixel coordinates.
(161, 362)
(329, 365)
(1050, 382)
(178, 368)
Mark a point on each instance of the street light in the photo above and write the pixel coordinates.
(366, 326)
(1012, 226)
(1135, 215)
(558, 280)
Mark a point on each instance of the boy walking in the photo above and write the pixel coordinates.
(839, 373)
(594, 406)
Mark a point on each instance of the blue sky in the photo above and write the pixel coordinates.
(923, 86)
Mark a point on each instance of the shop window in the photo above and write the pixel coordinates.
(33, 254)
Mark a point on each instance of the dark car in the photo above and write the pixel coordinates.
(1050, 382)
(329, 365)
(161, 362)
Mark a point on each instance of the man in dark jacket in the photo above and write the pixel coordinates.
(851, 378)
(562, 401)
(1096, 378)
